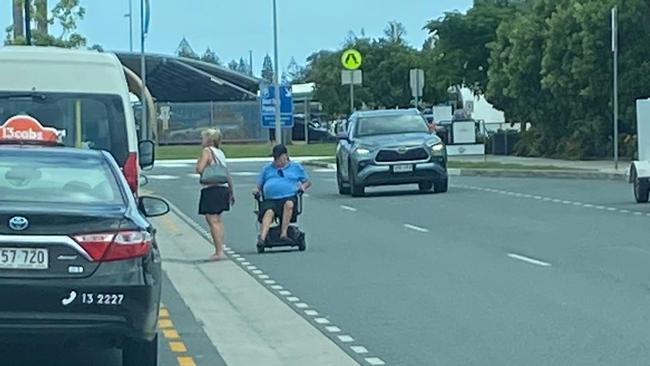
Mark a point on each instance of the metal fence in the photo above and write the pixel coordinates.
(182, 123)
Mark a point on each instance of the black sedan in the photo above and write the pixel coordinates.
(79, 261)
(390, 147)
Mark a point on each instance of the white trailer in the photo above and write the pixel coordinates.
(640, 169)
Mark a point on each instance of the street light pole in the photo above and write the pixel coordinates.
(130, 16)
(615, 86)
(278, 122)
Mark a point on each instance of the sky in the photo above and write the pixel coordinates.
(232, 28)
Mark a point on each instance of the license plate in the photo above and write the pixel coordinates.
(403, 168)
(23, 258)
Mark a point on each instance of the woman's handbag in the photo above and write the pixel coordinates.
(214, 173)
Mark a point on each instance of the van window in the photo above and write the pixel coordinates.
(93, 121)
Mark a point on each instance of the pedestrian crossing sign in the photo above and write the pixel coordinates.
(351, 59)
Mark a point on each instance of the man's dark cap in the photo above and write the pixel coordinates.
(278, 150)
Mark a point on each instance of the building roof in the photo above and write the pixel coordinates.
(178, 79)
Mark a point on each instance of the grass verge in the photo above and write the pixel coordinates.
(167, 152)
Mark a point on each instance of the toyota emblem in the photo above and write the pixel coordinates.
(18, 223)
(402, 150)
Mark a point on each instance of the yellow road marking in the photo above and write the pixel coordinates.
(186, 361)
(171, 224)
(171, 334)
(165, 323)
(178, 347)
(164, 313)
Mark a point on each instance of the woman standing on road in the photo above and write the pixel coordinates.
(215, 198)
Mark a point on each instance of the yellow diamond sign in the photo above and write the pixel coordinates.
(351, 59)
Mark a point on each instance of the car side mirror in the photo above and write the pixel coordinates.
(152, 206)
(342, 136)
(146, 154)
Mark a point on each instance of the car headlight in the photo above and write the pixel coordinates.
(362, 151)
(438, 149)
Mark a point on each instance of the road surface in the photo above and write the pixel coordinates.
(497, 271)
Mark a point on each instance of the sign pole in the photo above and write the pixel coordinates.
(278, 121)
(352, 96)
(615, 90)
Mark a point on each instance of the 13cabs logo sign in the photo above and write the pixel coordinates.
(26, 128)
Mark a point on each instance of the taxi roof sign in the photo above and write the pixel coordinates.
(27, 129)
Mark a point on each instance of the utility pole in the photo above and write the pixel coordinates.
(278, 121)
(250, 62)
(28, 23)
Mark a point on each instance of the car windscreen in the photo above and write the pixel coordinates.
(95, 121)
(39, 177)
(390, 124)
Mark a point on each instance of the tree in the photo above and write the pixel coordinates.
(243, 66)
(66, 14)
(395, 32)
(267, 69)
(294, 72)
(184, 49)
(210, 56)
(233, 65)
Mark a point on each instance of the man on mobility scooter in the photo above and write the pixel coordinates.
(278, 192)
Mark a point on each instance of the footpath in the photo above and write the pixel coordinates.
(246, 322)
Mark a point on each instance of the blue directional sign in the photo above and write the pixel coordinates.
(268, 106)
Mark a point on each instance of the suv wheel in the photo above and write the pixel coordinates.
(441, 186)
(357, 190)
(140, 353)
(425, 186)
(343, 188)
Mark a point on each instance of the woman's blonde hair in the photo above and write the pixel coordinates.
(213, 135)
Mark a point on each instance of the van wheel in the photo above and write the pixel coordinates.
(140, 353)
(641, 190)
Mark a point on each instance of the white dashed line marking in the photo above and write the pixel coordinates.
(374, 361)
(322, 321)
(359, 349)
(302, 305)
(311, 312)
(163, 177)
(638, 213)
(625, 211)
(277, 287)
(333, 329)
(284, 292)
(245, 263)
(528, 260)
(348, 208)
(416, 228)
(269, 282)
(235, 255)
(611, 209)
(263, 277)
(251, 267)
(244, 174)
(257, 271)
(293, 299)
(345, 338)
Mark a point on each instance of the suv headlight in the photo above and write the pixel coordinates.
(438, 149)
(362, 151)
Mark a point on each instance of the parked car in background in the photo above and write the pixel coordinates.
(318, 131)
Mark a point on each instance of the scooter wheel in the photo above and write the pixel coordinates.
(260, 250)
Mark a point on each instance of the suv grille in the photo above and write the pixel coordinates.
(388, 156)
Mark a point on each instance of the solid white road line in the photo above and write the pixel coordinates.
(416, 228)
(528, 260)
(348, 208)
(162, 177)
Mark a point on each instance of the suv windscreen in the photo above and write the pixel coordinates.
(95, 121)
(391, 124)
(44, 177)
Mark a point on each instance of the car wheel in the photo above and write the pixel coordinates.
(343, 189)
(140, 353)
(441, 185)
(425, 186)
(357, 190)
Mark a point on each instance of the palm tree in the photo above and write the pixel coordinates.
(19, 26)
(41, 16)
